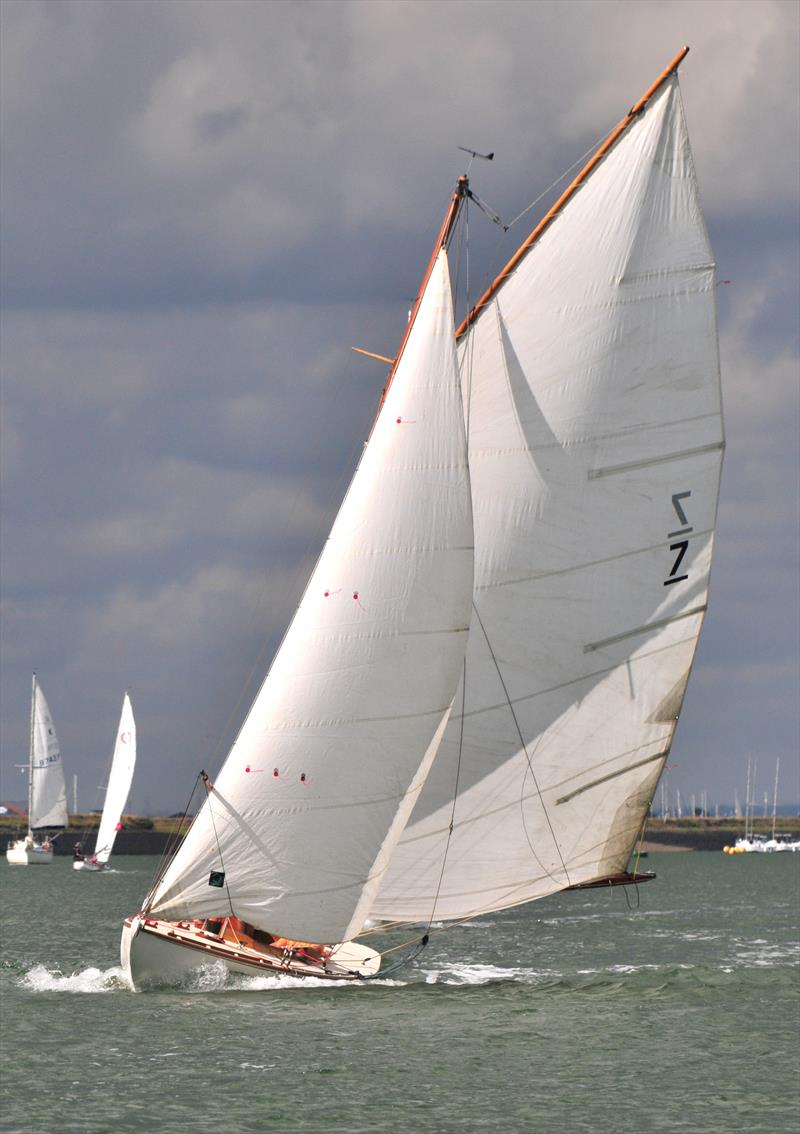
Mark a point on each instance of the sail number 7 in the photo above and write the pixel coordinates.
(680, 546)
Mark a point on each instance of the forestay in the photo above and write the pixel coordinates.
(48, 806)
(119, 782)
(323, 775)
(595, 444)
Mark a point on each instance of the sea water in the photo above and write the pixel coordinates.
(670, 1007)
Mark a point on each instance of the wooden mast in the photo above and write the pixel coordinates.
(568, 193)
(448, 224)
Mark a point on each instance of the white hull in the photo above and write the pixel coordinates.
(761, 845)
(154, 952)
(91, 867)
(23, 853)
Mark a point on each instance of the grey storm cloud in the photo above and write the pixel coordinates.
(205, 205)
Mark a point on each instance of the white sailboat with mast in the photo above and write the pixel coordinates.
(587, 378)
(120, 777)
(47, 793)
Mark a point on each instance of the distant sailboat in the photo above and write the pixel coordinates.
(47, 793)
(119, 785)
(523, 741)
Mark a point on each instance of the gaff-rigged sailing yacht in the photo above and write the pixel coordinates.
(120, 776)
(588, 378)
(47, 794)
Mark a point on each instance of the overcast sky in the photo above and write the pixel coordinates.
(206, 204)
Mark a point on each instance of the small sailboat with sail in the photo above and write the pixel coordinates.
(47, 793)
(120, 777)
(474, 702)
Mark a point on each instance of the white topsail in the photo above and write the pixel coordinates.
(315, 792)
(119, 782)
(48, 793)
(592, 392)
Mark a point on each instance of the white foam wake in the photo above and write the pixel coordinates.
(483, 974)
(41, 979)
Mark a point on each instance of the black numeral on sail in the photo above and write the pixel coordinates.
(681, 546)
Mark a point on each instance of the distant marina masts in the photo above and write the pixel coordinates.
(669, 805)
(775, 795)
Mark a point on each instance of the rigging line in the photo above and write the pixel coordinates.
(471, 916)
(385, 927)
(463, 249)
(580, 161)
(469, 352)
(404, 944)
(171, 847)
(455, 794)
(488, 276)
(637, 846)
(630, 906)
(457, 238)
(208, 786)
(381, 974)
(468, 374)
(527, 758)
(462, 253)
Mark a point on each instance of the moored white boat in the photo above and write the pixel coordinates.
(784, 842)
(47, 793)
(27, 852)
(760, 844)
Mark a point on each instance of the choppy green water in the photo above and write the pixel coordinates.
(572, 1014)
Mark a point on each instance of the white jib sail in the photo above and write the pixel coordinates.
(325, 771)
(595, 447)
(119, 782)
(48, 790)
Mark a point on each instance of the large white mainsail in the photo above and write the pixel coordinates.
(48, 792)
(119, 782)
(323, 775)
(591, 380)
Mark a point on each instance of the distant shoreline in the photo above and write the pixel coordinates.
(695, 834)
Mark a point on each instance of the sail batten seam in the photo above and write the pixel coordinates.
(648, 626)
(612, 470)
(612, 776)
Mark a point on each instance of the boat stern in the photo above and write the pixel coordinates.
(354, 960)
(24, 853)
